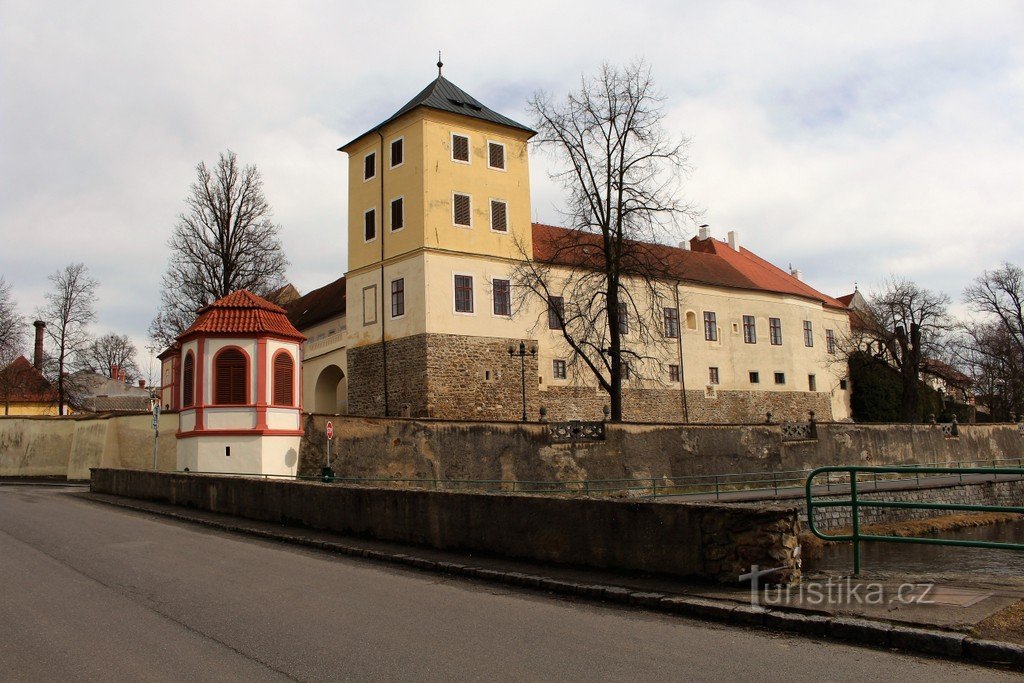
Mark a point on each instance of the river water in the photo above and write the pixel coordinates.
(917, 558)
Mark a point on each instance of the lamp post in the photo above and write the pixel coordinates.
(522, 353)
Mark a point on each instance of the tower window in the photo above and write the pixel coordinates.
(710, 326)
(496, 155)
(397, 152)
(502, 297)
(370, 225)
(463, 293)
(775, 331)
(398, 298)
(369, 166)
(284, 379)
(397, 214)
(671, 322)
(230, 377)
(460, 148)
(808, 333)
(749, 330)
(558, 369)
(462, 210)
(499, 215)
(188, 380)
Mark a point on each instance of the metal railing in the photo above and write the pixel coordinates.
(853, 479)
(716, 486)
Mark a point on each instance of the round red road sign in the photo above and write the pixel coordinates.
(330, 430)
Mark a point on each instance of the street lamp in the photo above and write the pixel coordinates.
(522, 352)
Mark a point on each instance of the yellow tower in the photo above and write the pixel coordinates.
(439, 210)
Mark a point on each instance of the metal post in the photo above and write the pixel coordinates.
(522, 370)
(156, 429)
(328, 453)
(855, 510)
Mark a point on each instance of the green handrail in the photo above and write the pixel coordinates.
(856, 501)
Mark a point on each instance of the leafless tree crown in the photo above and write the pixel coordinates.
(112, 351)
(12, 326)
(68, 312)
(224, 241)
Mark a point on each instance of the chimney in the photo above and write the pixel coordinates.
(685, 245)
(734, 240)
(37, 360)
(115, 371)
(142, 384)
(704, 233)
(797, 273)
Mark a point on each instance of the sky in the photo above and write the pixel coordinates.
(852, 140)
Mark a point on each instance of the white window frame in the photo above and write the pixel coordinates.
(391, 212)
(459, 225)
(391, 294)
(504, 155)
(472, 297)
(362, 170)
(565, 366)
(469, 148)
(499, 315)
(391, 164)
(490, 215)
(376, 227)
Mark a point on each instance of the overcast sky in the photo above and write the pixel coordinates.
(853, 140)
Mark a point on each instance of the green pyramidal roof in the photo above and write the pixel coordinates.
(444, 95)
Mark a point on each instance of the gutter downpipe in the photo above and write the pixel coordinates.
(679, 341)
(383, 310)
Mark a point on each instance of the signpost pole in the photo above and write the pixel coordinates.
(327, 472)
(156, 431)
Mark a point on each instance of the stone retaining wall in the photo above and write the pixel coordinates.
(694, 540)
(1002, 493)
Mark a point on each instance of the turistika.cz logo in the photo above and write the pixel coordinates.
(832, 591)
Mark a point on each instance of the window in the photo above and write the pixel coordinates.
(370, 225)
(775, 331)
(780, 378)
(673, 373)
(830, 340)
(712, 375)
(556, 312)
(812, 383)
(398, 297)
(284, 379)
(502, 297)
(496, 155)
(370, 305)
(749, 330)
(499, 215)
(230, 377)
(558, 369)
(672, 322)
(463, 293)
(462, 212)
(755, 378)
(397, 152)
(808, 333)
(397, 214)
(710, 326)
(369, 166)
(460, 148)
(843, 384)
(623, 320)
(188, 380)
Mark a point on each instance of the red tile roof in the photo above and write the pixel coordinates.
(846, 299)
(21, 382)
(707, 262)
(319, 305)
(242, 312)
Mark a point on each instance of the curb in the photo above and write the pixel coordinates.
(946, 644)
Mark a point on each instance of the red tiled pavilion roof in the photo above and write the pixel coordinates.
(244, 313)
(21, 382)
(708, 262)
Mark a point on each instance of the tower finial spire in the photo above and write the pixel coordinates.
(440, 64)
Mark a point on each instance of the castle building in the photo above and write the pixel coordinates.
(439, 217)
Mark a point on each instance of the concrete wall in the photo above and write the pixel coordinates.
(1000, 493)
(69, 446)
(709, 541)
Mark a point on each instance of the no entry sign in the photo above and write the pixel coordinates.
(330, 429)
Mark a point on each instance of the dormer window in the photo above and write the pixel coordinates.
(460, 148)
(369, 166)
(496, 155)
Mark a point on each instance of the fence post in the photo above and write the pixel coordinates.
(717, 493)
(855, 510)
(775, 484)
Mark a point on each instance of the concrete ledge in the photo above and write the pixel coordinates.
(854, 631)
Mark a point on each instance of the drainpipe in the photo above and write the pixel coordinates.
(383, 309)
(679, 343)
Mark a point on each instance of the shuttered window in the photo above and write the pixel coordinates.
(369, 165)
(397, 214)
(284, 379)
(462, 213)
(230, 376)
(188, 380)
(499, 215)
(496, 155)
(460, 148)
(397, 152)
(370, 225)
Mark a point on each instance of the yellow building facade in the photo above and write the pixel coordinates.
(439, 219)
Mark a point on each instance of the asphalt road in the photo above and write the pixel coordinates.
(90, 592)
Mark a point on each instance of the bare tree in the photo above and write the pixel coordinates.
(12, 326)
(605, 278)
(223, 242)
(112, 352)
(999, 294)
(68, 312)
(904, 324)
